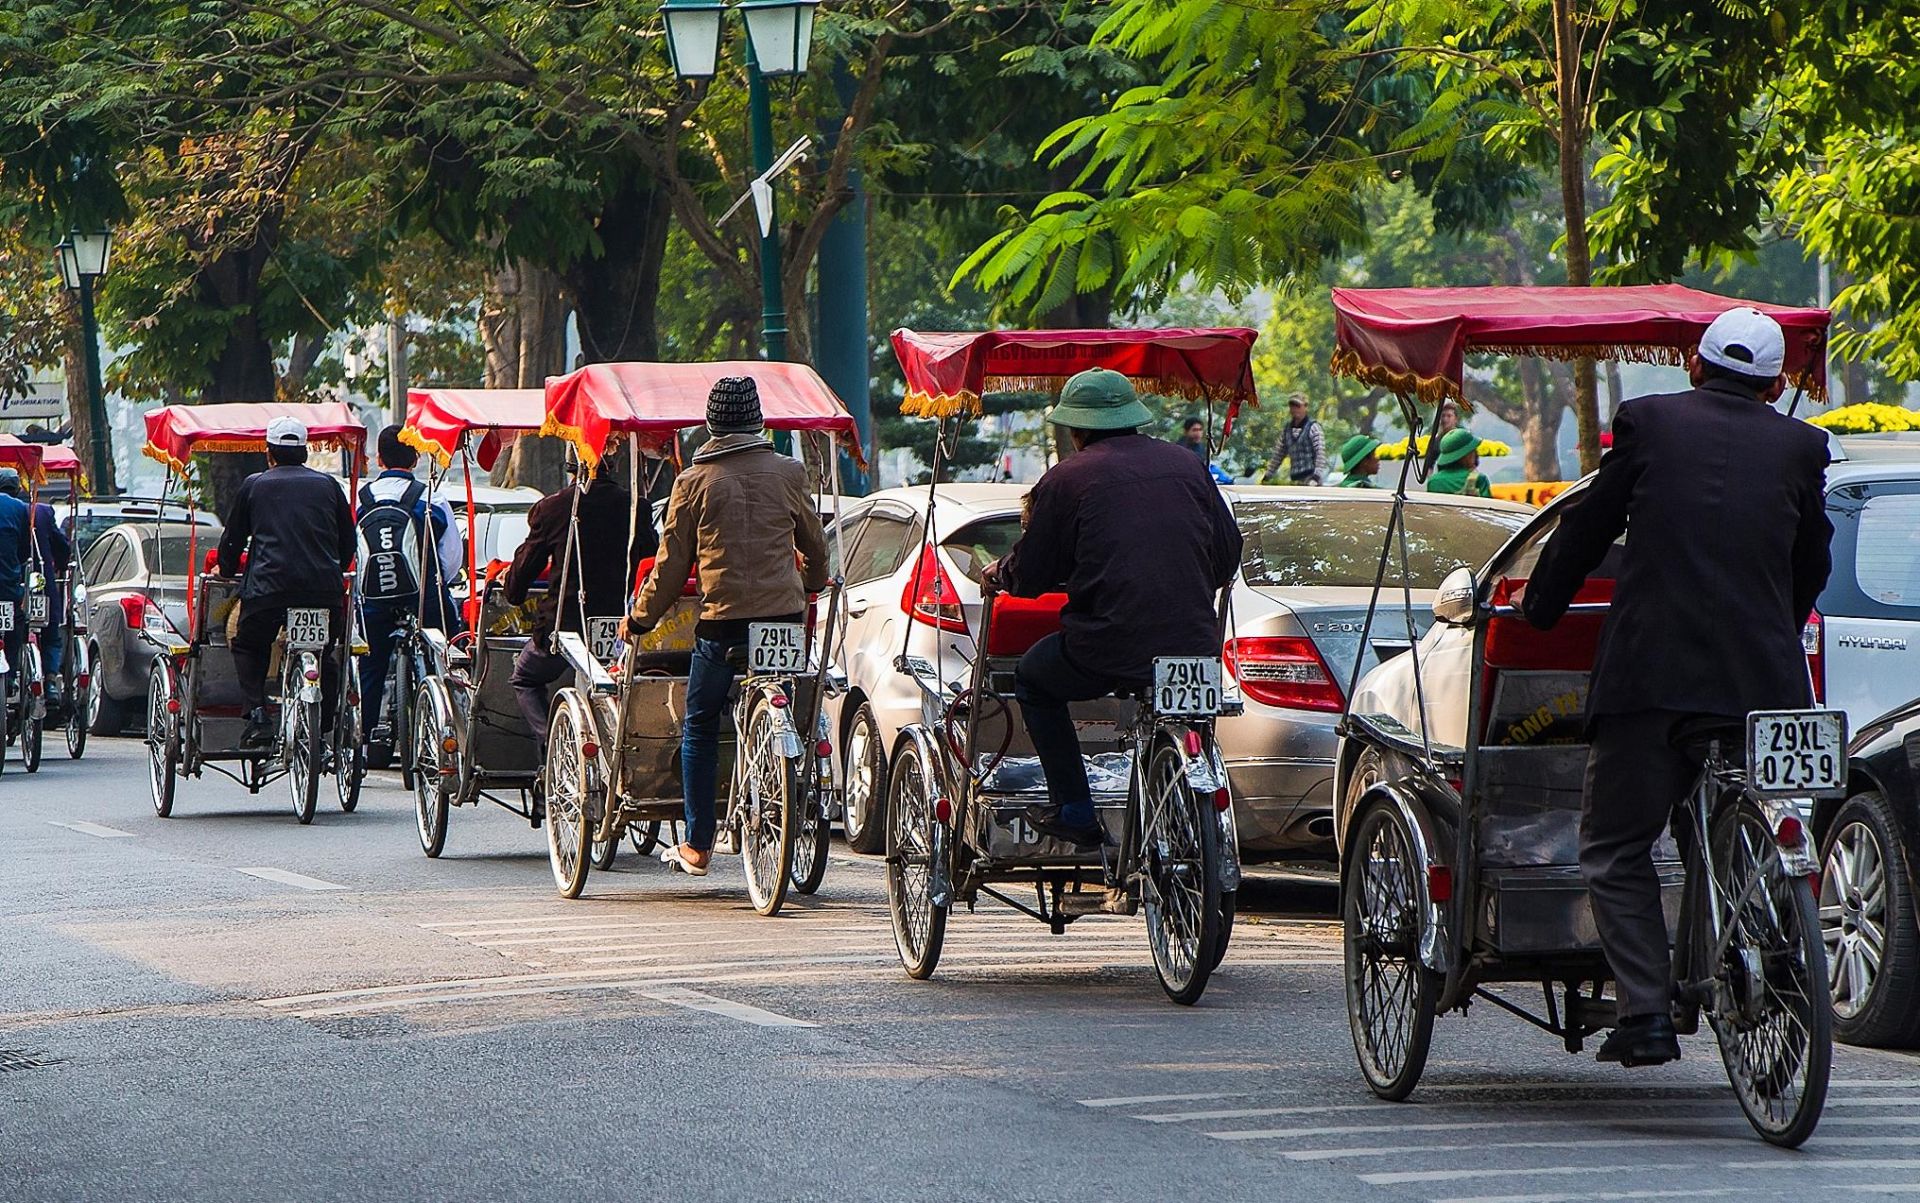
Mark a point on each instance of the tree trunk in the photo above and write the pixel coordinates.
(615, 295)
(1573, 201)
(523, 326)
(1082, 311)
(73, 364)
(242, 369)
(1540, 423)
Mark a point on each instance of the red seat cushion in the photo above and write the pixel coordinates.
(1018, 623)
(645, 570)
(1513, 643)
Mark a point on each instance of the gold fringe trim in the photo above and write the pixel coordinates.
(1433, 389)
(426, 446)
(325, 442)
(589, 456)
(1430, 390)
(945, 405)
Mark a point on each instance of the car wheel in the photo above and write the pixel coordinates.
(1867, 920)
(864, 773)
(110, 713)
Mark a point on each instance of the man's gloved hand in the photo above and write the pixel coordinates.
(635, 628)
(990, 576)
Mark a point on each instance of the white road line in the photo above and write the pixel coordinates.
(693, 1000)
(563, 943)
(1139, 1099)
(1800, 1159)
(288, 878)
(86, 828)
(1712, 1192)
(1636, 1142)
(1587, 1122)
(1878, 1188)
(1490, 1089)
(1399, 1177)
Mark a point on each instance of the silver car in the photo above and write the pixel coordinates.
(136, 576)
(1298, 609)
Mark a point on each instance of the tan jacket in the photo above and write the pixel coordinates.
(740, 512)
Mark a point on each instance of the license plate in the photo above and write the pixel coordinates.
(1186, 685)
(603, 638)
(36, 609)
(307, 629)
(1797, 752)
(6, 616)
(776, 648)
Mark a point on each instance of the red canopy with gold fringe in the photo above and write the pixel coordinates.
(654, 400)
(1414, 341)
(175, 432)
(28, 459)
(58, 459)
(438, 418)
(947, 373)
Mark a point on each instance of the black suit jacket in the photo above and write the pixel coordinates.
(1722, 501)
(604, 510)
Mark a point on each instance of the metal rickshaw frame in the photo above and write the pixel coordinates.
(467, 682)
(23, 709)
(614, 736)
(178, 716)
(1449, 804)
(964, 837)
(76, 669)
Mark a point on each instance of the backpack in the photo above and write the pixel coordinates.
(390, 530)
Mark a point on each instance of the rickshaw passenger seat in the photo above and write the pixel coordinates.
(645, 569)
(1018, 623)
(1513, 642)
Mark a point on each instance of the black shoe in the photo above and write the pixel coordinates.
(1641, 1040)
(259, 731)
(1046, 820)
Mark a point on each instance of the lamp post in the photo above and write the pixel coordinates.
(779, 37)
(83, 259)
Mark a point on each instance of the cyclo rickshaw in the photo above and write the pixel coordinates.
(195, 711)
(460, 735)
(80, 699)
(613, 746)
(1461, 765)
(25, 710)
(963, 774)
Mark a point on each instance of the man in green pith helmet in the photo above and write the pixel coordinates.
(1457, 468)
(1359, 460)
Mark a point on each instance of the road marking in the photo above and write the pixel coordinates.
(1158, 1098)
(287, 878)
(1399, 1177)
(1185, 1117)
(1711, 1192)
(693, 1000)
(1486, 1089)
(1674, 1121)
(86, 828)
(1800, 1159)
(1636, 1142)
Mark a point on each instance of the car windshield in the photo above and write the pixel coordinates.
(1303, 543)
(976, 546)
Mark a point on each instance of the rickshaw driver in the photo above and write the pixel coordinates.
(740, 512)
(55, 554)
(297, 531)
(1699, 628)
(16, 528)
(1138, 535)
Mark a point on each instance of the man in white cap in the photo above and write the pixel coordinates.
(1724, 499)
(296, 530)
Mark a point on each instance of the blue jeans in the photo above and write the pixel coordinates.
(708, 682)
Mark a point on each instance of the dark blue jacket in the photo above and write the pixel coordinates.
(15, 522)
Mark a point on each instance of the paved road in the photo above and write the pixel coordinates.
(227, 1006)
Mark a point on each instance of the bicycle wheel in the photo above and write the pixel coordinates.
(1772, 1015)
(33, 727)
(303, 756)
(1179, 860)
(349, 754)
(811, 843)
(767, 817)
(80, 703)
(603, 853)
(1390, 994)
(645, 837)
(163, 739)
(401, 688)
(569, 789)
(913, 846)
(429, 783)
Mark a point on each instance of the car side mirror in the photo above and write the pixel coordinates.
(1453, 600)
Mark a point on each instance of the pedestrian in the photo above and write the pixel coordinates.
(742, 516)
(399, 576)
(605, 513)
(295, 529)
(1193, 436)
(1457, 468)
(1302, 444)
(1725, 499)
(52, 553)
(1359, 460)
(1139, 538)
(1449, 418)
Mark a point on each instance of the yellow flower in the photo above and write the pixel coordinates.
(1867, 417)
(1488, 449)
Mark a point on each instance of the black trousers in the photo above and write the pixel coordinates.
(261, 620)
(1635, 777)
(1043, 683)
(534, 672)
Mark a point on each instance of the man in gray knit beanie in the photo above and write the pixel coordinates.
(733, 407)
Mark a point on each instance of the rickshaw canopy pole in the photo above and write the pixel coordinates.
(948, 372)
(1414, 341)
(655, 400)
(438, 418)
(175, 432)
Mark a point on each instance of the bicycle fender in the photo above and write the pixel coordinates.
(1799, 858)
(1436, 947)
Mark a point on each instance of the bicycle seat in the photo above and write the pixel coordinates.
(1694, 736)
(737, 658)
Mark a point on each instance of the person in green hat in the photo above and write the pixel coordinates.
(1136, 534)
(1456, 470)
(1359, 460)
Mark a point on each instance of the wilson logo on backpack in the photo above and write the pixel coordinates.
(390, 531)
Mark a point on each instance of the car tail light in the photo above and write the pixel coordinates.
(1813, 640)
(134, 606)
(930, 596)
(1284, 670)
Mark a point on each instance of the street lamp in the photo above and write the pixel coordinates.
(779, 39)
(83, 259)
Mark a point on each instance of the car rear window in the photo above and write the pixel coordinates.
(1303, 542)
(1886, 558)
(976, 546)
